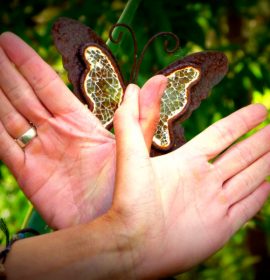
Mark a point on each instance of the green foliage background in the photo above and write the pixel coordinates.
(239, 28)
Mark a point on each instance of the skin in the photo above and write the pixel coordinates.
(193, 206)
(68, 170)
(157, 225)
(163, 219)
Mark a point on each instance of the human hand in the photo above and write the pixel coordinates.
(168, 212)
(67, 171)
(176, 210)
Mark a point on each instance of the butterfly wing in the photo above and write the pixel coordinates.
(102, 83)
(97, 80)
(189, 82)
(174, 102)
(91, 68)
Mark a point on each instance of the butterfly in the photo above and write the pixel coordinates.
(97, 80)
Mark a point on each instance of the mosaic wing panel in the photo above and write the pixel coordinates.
(173, 103)
(102, 84)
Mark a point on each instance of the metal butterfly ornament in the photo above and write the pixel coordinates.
(97, 80)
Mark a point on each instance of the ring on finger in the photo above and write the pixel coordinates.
(27, 137)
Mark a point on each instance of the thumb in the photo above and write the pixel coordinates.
(128, 133)
(131, 150)
(150, 99)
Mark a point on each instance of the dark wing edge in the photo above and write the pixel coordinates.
(70, 38)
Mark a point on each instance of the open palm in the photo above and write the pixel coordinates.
(177, 209)
(213, 187)
(67, 172)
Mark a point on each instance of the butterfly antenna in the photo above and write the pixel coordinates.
(165, 47)
(118, 39)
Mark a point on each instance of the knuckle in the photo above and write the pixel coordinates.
(245, 154)
(15, 92)
(245, 213)
(246, 181)
(224, 133)
(229, 131)
(41, 75)
(11, 119)
(14, 124)
(18, 91)
(242, 123)
(41, 82)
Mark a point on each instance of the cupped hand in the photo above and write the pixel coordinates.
(177, 209)
(67, 171)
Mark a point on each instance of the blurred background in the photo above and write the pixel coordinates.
(239, 28)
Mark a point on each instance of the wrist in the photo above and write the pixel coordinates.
(124, 245)
(101, 249)
(134, 246)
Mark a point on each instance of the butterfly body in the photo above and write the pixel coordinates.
(97, 80)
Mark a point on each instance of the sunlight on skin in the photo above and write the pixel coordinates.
(72, 161)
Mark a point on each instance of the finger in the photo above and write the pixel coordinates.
(18, 91)
(14, 123)
(149, 100)
(126, 122)
(10, 152)
(245, 209)
(223, 133)
(244, 183)
(47, 85)
(131, 150)
(242, 154)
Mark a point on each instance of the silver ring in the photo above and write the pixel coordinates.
(27, 137)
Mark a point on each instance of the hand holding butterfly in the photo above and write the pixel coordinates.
(67, 172)
(169, 212)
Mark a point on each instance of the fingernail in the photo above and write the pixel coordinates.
(131, 89)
